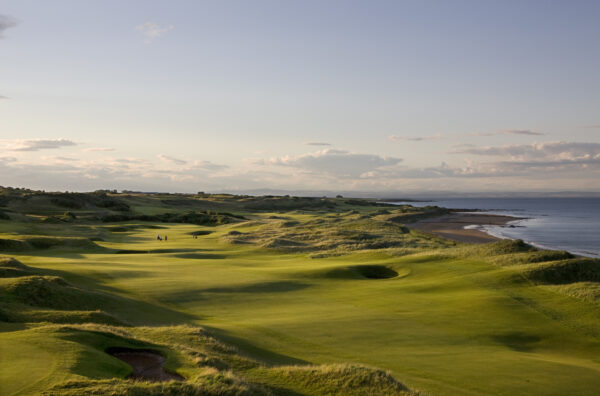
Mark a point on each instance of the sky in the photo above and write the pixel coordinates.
(393, 96)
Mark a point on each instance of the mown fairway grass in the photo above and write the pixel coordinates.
(453, 321)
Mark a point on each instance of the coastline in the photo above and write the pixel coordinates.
(452, 226)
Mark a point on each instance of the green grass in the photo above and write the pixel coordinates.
(353, 303)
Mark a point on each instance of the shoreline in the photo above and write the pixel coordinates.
(452, 226)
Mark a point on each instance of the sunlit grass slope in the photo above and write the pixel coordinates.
(334, 299)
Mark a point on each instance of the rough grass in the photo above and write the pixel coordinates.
(22, 313)
(27, 297)
(343, 379)
(24, 243)
(337, 234)
(588, 291)
(530, 257)
(191, 217)
(21, 284)
(565, 271)
(49, 291)
(9, 268)
(218, 384)
(504, 247)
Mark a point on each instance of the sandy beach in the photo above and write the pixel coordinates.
(452, 226)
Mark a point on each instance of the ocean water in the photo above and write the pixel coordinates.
(571, 224)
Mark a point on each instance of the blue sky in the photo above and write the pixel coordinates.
(353, 95)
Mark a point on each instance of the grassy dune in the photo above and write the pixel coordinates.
(287, 296)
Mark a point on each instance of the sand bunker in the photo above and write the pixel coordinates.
(147, 365)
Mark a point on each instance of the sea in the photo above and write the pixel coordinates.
(571, 224)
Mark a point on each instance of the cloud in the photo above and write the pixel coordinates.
(7, 159)
(6, 22)
(438, 136)
(597, 126)
(559, 164)
(463, 145)
(101, 149)
(549, 150)
(398, 138)
(207, 165)
(36, 144)
(444, 170)
(85, 173)
(563, 160)
(579, 160)
(340, 163)
(521, 132)
(198, 165)
(152, 30)
(3, 98)
(318, 144)
(129, 161)
(508, 132)
(172, 160)
(65, 159)
(568, 163)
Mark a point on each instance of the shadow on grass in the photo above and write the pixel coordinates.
(200, 233)
(200, 256)
(158, 251)
(246, 348)
(7, 327)
(132, 227)
(262, 287)
(518, 341)
(153, 251)
(188, 296)
(120, 274)
(357, 272)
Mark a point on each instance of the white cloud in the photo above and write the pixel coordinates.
(152, 30)
(438, 136)
(129, 161)
(398, 138)
(191, 166)
(341, 163)
(463, 145)
(6, 22)
(318, 144)
(571, 164)
(508, 132)
(469, 170)
(71, 173)
(63, 159)
(35, 144)
(581, 160)
(207, 165)
(172, 160)
(100, 149)
(549, 150)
